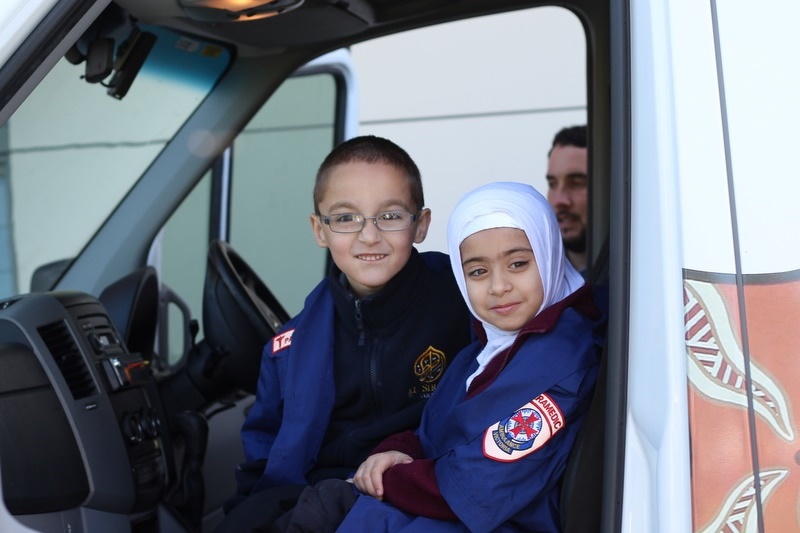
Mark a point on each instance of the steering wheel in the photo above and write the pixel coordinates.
(240, 315)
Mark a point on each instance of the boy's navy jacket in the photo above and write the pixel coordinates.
(296, 388)
(489, 467)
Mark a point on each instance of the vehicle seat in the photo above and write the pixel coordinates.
(582, 485)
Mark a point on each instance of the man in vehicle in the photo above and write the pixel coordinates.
(567, 190)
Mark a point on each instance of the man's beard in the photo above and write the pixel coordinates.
(576, 244)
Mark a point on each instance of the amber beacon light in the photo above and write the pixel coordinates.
(236, 10)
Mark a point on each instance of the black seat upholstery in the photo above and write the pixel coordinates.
(582, 486)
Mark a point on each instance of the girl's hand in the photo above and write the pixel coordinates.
(369, 476)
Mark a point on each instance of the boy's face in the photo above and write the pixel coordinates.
(370, 257)
(503, 281)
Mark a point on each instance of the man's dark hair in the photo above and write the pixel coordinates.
(571, 136)
(370, 149)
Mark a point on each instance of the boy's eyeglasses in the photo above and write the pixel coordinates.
(354, 222)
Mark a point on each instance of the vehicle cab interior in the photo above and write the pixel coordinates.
(157, 161)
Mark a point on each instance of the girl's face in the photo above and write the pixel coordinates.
(502, 278)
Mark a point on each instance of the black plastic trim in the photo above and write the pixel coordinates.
(48, 34)
(619, 264)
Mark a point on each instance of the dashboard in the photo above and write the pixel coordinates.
(84, 443)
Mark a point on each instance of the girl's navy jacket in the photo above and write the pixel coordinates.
(492, 458)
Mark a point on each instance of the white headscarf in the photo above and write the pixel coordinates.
(512, 205)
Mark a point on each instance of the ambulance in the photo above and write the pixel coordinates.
(156, 166)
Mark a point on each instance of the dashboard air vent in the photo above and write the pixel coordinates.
(73, 367)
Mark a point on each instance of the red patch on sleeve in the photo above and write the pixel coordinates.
(525, 431)
(284, 340)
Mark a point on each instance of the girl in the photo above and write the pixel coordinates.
(495, 436)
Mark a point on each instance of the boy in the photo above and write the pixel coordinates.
(370, 344)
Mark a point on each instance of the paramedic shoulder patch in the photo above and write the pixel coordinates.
(525, 431)
(284, 340)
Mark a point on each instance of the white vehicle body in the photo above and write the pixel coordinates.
(690, 106)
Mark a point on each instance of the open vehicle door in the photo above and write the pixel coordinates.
(156, 166)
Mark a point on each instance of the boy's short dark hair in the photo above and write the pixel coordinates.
(370, 149)
(571, 136)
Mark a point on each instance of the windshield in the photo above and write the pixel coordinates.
(72, 151)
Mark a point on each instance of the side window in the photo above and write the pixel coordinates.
(262, 206)
(180, 255)
(275, 160)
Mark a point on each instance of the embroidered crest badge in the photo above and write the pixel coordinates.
(525, 431)
(429, 366)
(284, 340)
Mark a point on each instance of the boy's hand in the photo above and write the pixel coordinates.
(369, 476)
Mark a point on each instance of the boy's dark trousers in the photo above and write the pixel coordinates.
(292, 509)
(259, 511)
(320, 508)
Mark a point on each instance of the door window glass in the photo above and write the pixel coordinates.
(275, 160)
(272, 171)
